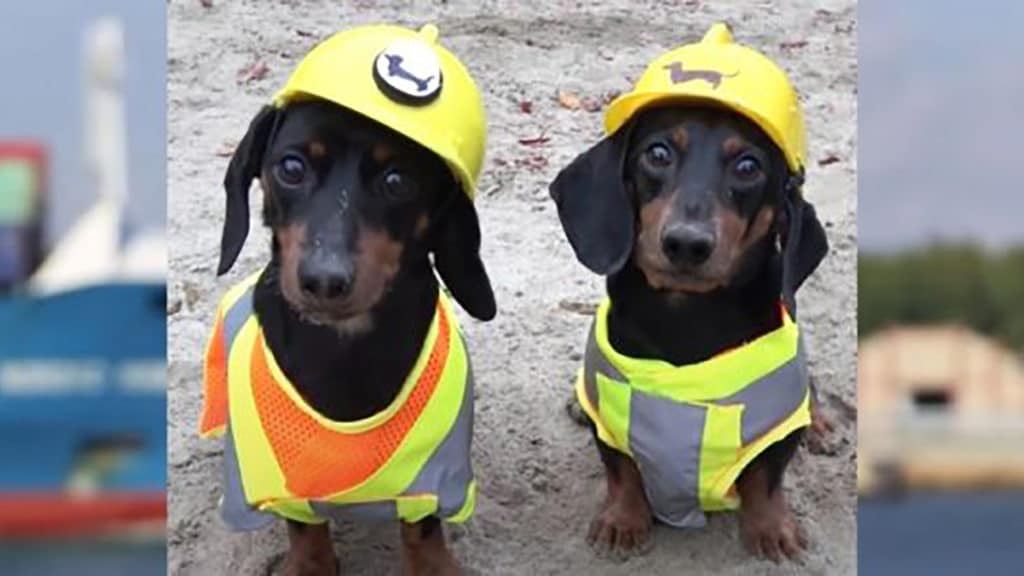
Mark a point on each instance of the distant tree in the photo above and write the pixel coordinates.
(944, 283)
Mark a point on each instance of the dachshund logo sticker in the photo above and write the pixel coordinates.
(409, 72)
(680, 75)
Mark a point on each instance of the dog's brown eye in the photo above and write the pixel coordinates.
(398, 186)
(658, 155)
(291, 170)
(747, 168)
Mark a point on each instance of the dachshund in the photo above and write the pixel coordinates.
(692, 214)
(346, 301)
(395, 69)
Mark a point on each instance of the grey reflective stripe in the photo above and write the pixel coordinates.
(449, 471)
(665, 438)
(234, 510)
(235, 317)
(594, 362)
(773, 397)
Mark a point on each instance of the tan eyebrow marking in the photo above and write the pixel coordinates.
(421, 225)
(732, 145)
(382, 153)
(681, 137)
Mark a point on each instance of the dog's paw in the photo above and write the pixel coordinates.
(575, 411)
(819, 438)
(441, 565)
(772, 532)
(620, 531)
(294, 565)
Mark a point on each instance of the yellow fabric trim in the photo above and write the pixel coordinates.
(297, 510)
(468, 507)
(236, 291)
(712, 379)
(416, 507)
(721, 489)
(719, 447)
(262, 478)
(588, 407)
(213, 432)
(374, 420)
(614, 400)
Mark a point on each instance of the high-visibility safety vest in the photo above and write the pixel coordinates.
(281, 457)
(692, 429)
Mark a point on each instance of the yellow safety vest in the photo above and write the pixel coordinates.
(692, 429)
(281, 457)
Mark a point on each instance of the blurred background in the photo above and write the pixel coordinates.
(82, 287)
(940, 286)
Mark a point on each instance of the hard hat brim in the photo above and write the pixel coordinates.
(627, 106)
(385, 116)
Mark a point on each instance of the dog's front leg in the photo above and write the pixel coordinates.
(309, 550)
(767, 524)
(822, 426)
(622, 526)
(424, 551)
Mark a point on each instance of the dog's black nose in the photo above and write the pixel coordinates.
(328, 279)
(687, 244)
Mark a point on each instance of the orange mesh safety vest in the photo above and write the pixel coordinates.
(281, 457)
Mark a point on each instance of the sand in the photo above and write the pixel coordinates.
(540, 479)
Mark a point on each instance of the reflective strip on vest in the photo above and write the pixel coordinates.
(234, 510)
(442, 485)
(690, 452)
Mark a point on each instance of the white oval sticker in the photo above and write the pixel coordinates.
(409, 69)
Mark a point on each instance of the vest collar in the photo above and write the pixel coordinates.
(718, 377)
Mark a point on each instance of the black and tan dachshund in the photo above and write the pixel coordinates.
(348, 296)
(699, 226)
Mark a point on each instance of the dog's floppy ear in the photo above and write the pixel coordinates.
(456, 247)
(804, 244)
(596, 213)
(242, 170)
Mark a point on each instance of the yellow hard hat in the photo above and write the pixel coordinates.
(719, 71)
(405, 80)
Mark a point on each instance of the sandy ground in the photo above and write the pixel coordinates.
(540, 478)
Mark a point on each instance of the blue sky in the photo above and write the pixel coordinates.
(41, 98)
(941, 122)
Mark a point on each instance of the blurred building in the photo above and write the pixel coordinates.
(939, 407)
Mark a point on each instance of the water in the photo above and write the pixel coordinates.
(83, 559)
(936, 534)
